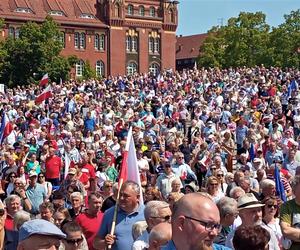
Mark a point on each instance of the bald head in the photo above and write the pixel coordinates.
(195, 222)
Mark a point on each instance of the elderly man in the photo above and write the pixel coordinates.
(129, 212)
(39, 234)
(195, 223)
(155, 212)
(268, 188)
(228, 214)
(289, 217)
(250, 211)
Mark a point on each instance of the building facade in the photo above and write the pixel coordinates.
(116, 36)
(188, 50)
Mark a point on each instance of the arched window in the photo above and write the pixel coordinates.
(117, 10)
(97, 42)
(130, 10)
(79, 68)
(154, 68)
(102, 42)
(11, 32)
(152, 11)
(99, 68)
(76, 40)
(156, 45)
(82, 41)
(142, 10)
(172, 16)
(134, 44)
(151, 44)
(131, 68)
(128, 43)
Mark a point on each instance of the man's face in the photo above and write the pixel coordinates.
(95, 204)
(76, 202)
(37, 242)
(57, 203)
(46, 214)
(14, 206)
(195, 232)
(164, 215)
(251, 216)
(128, 199)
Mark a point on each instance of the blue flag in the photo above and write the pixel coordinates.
(251, 152)
(279, 186)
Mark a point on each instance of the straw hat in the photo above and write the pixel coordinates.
(248, 201)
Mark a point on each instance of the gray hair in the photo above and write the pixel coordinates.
(266, 183)
(20, 218)
(234, 190)
(138, 228)
(153, 207)
(295, 181)
(226, 206)
(11, 198)
(76, 194)
(133, 185)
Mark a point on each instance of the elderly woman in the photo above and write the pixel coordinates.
(76, 199)
(268, 188)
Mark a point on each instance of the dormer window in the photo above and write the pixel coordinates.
(56, 13)
(87, 16)
(23, 10)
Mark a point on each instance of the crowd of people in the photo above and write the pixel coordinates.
(217, 151)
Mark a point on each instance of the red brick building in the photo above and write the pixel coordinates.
(115, 36)
(188, 50)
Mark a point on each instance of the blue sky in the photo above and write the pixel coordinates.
(198, 16)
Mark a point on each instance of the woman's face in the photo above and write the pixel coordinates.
(176, 186)
(73, 240)
(271, 207)
(76, 202)
(58, 218)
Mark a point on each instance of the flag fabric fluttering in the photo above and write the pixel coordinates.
(252, 152)
(6, 127)
(279, 185)
(129, 168)
(46, 94)
(44, 80)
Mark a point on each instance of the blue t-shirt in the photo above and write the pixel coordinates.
(170, 246)
(36, 196)
(123, 230)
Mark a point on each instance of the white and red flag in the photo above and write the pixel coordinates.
(6, 127)
(46, 94)
(44, 80)
(129, 168)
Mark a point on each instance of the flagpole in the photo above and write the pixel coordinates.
(113, 225)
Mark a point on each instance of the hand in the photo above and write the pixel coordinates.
(110, 239)
(22, 193)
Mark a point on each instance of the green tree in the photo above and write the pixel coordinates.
(242, 42)
(35, 52)
(285, 42)
(88, 71)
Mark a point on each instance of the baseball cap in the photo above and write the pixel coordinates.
(32, 173)
(41, 227)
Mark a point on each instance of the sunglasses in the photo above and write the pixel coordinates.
(220, 175)
(108, 186)
(41, 176)
(274, 206)
(74, 241)
(165, 218)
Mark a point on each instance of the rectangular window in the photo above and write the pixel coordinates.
(76, 40)
(102, 42)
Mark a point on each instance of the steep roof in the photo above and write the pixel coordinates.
(77, 12)
(188, 46)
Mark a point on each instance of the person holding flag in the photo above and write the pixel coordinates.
(115, 230)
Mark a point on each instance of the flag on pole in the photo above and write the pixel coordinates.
(279, 186)
(46, 94)
(6, 127)
(44, 80)
(195, 65)
(252, 152)
(129, 168)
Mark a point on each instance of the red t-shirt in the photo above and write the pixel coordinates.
(9, 223)
(84, 178)
(53, 166)
(91, 170)
(90, 226)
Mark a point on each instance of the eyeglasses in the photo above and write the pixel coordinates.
(213, 184)
(18, 183)
(74, 241)
(274, 206)
(220, 175)
(180, 157)
(108, 186)
(166, 218)
(209, 226)
(41, 176)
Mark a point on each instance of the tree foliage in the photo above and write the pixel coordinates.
(247, 40)
(34, 53)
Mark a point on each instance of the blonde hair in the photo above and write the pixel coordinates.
(138, 228)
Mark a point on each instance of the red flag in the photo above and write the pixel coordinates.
(129, 167)
(47, 93)
(44, 80)
(6, 127)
